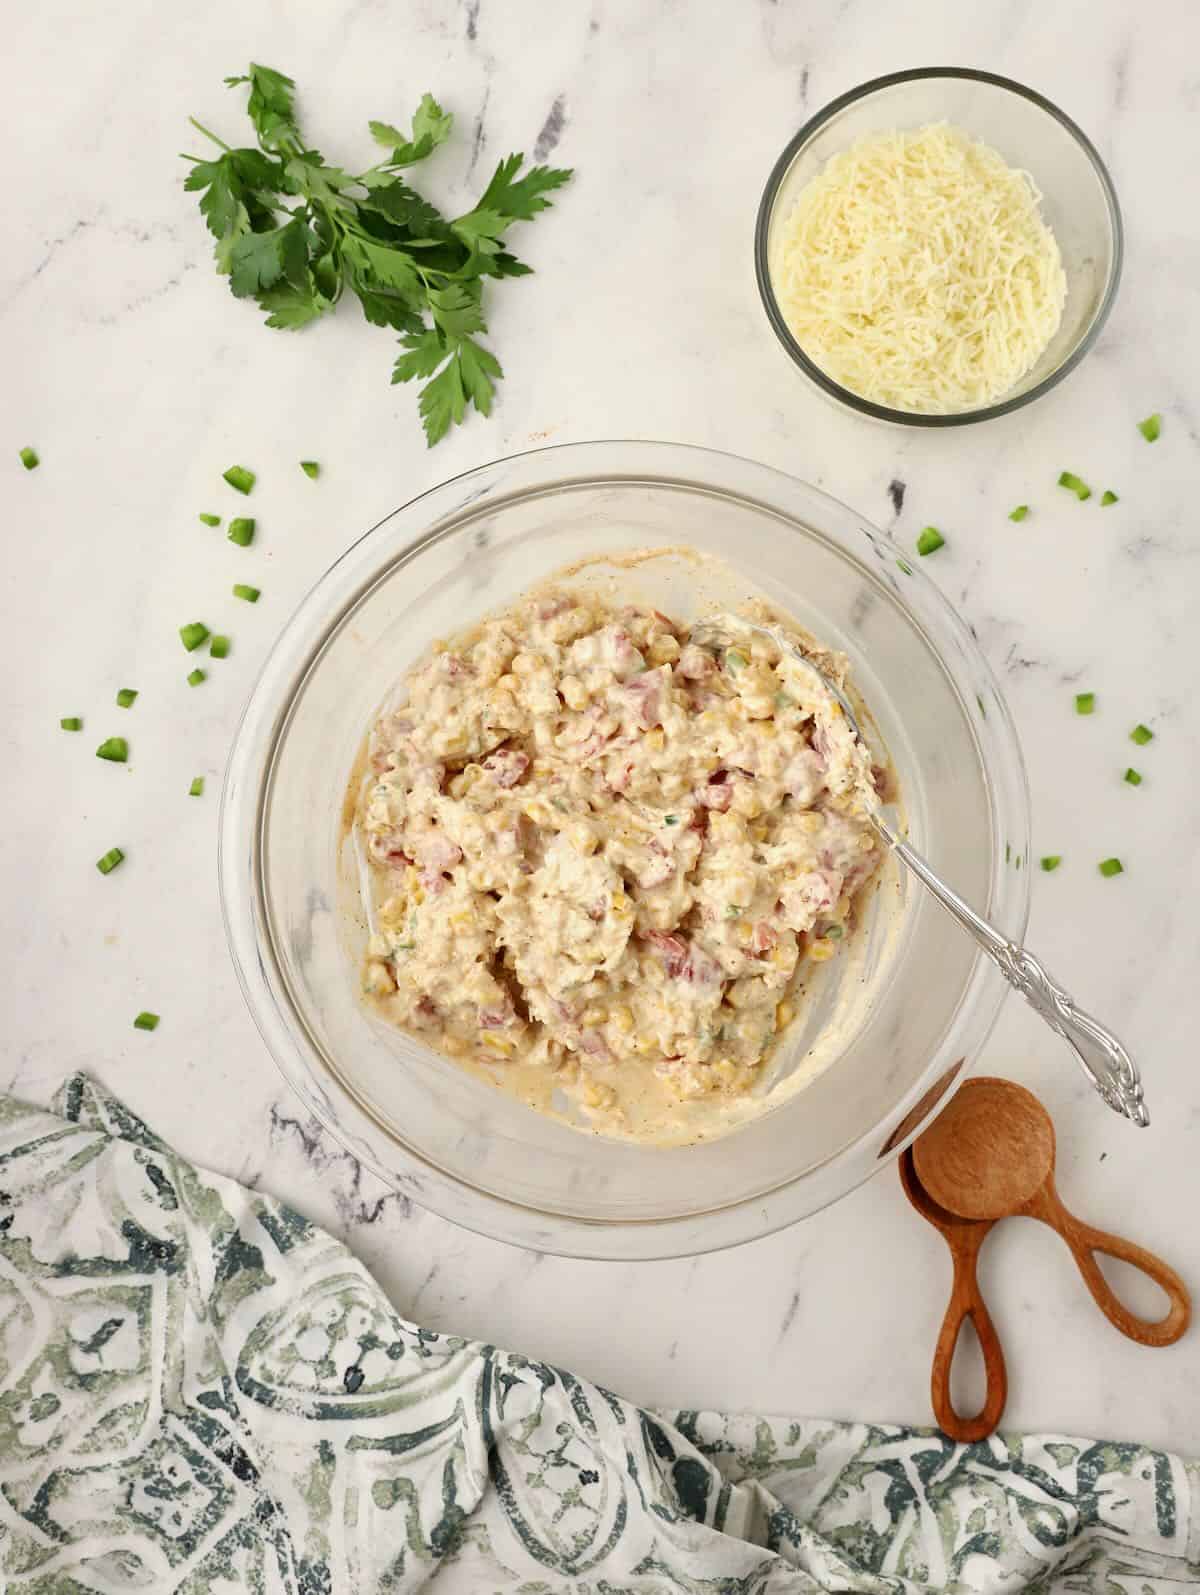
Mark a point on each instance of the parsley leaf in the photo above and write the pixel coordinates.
(402, 206)
(478, 365)
(442, 402)
(483, 229)
(456, 308)
(521, 201)
(390, 268)
(271, 107)
(430, 127)
(260, 260)
(294, 233)
(425, 351)
(291, 307)
(388, 310)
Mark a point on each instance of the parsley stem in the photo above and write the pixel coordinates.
(200, 128)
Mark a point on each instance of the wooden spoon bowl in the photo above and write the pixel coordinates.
(990, 1155)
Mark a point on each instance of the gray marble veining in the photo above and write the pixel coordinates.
(139, 379)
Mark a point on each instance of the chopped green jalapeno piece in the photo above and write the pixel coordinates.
(193, 634)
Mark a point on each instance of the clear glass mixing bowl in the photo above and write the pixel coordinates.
(920, 1000)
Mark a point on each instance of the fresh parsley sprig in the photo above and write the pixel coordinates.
(293, 234)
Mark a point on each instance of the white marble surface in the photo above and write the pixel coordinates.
(139, 379)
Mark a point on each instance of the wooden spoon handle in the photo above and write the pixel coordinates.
(1085, 1242)
(967, 1302)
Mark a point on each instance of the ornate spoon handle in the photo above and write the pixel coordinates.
(1101, 1056)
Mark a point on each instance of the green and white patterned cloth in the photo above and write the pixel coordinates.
(199, 1391)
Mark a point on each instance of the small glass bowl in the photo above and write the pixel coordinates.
(1078, 201)
(916, 1006)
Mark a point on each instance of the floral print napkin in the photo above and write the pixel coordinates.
(201, 1392)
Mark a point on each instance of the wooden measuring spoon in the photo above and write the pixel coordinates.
(990, 1155)
(964, 1236)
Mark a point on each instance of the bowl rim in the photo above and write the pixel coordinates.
(883, 412)
(268, 712)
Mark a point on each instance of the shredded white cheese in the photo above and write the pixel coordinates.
(917, 270)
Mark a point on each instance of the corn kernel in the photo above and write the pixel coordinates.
(645, 1045)
(782, 956)
(812, 822)
(462, 920)
(759, 830)
(746, 801)
(538, 811)
(377, 980)
(621, 906)
(462, 783)
(743, 931)
(574, 693)
(656, 740)
(622, 1019)
(452, 1046)
(784, 1014)
(821, 950)
(598, 1095)
(664, 650)
(583, 837)
(504, 1046)
(377, 946)
(594, 1014)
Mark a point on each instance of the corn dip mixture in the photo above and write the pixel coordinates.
(603, 852)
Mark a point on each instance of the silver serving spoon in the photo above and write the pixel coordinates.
(1101, 1056)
